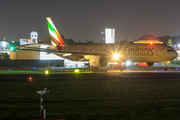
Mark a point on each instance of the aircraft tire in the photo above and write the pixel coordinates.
(165, 68)
(88, 68)
(91, 68)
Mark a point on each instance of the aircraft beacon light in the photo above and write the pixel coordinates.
(116, 56)
(46, 72)
(76, 70)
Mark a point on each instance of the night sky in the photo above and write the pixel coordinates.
(86, 19)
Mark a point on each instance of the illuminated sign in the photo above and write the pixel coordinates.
(139, 51)
(25, 41)
(110, 35)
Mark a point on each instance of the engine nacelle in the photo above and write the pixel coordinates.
(98, 61)
(145, 64)
(73, 57)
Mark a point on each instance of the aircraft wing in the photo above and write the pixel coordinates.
(60, 52)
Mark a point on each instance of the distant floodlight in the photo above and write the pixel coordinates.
(46, 72)
(178, 45)
(4, 44)
(128, 62)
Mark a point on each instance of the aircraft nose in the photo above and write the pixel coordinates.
(173, 55)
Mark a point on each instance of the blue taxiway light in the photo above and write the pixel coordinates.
(155, 70)
(163, 71)
(176, 68)
(9, 69)
(34, 68)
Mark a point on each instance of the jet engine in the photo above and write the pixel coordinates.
(145, 64)
(98, 61)
(73, 57)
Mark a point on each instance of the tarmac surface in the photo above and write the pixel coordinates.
(113, 94)
(89, 75)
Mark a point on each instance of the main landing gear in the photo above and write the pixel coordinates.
(91, 68)
(96, 69)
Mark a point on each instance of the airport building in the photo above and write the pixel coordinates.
(4, 46)
(109, 35)
(32, 40)
(36, 55)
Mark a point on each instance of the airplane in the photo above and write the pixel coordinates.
(99, 55)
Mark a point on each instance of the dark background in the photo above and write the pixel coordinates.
(86, 19)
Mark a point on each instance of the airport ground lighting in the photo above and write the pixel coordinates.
(76, 71)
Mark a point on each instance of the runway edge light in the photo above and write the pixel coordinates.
(46, 72)
(76, 70)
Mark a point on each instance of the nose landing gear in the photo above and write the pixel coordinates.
(165, 68)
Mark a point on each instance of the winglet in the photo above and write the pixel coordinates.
(54, 34)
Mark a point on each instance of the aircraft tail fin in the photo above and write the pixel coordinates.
(56, 38)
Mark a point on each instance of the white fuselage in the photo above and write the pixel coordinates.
(132, 52)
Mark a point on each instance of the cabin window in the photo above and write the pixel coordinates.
(170, 50)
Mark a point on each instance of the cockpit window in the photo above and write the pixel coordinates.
(170, 50)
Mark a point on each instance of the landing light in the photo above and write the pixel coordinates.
(116, 56)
